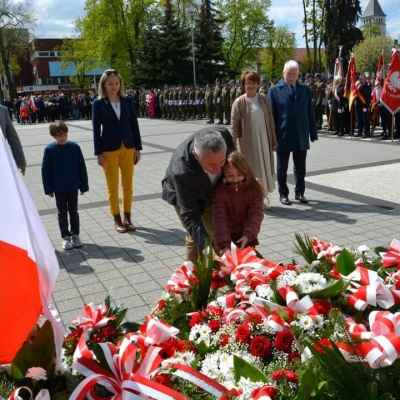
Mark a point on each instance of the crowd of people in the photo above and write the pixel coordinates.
(218, 180)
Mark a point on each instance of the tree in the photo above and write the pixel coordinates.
(15, 20)
(280, 47)
(341, 17)
(370, 30)
(313, 22)
(367, 53)
(165, 55)
(209, 42)
(77, 51)
(246, 29)
(112, 29)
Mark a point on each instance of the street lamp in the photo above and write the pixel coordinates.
(191, 13)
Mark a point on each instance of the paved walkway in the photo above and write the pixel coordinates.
(353, 186)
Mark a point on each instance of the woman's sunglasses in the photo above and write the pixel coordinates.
(110, 72)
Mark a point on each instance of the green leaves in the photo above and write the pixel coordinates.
(345, 263)
(39, 354)
(243, 369)
(335, 288)
(305, 248)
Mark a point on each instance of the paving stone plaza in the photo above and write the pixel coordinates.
(353, 186)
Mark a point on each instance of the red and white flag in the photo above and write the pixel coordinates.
(338, 69)
(28, 264)
(390, 96)
(32, 104)
(378, 85)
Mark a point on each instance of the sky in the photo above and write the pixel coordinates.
(56, 17)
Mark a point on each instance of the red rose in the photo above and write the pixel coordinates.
(278, 375)
(98, 338)
(284, 341)
(260, 347)
(161, 305)
(293, 356)
(216, 281)
(109, 332)
(292, 376)
(163, 379)
(195, 320)
(214, 325)
(274, 274)
(225, 340)
(254, 318)
(323, 306)
(267, 390)
(243, 333)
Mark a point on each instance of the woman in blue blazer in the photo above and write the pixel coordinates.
(117, 144)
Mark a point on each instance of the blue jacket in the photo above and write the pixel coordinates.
(294, 119)
(109, 132)
(64, 168)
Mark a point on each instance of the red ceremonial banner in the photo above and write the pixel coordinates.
(390, 97)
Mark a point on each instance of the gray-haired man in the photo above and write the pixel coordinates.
(188, 185)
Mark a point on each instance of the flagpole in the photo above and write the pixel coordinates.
(392, 133)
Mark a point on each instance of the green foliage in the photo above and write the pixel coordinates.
(209, 43)
(367, 52)
(243, 369)
(341, 17)
(203, 269)
(280, 47)
(245, 31)
(165, 51)
(6, 387)
(38, 354)
(345, 263)
(305, 248)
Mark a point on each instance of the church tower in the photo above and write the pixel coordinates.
(373, 15)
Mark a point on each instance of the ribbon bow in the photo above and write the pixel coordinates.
(392, 257)
(92, 317)
(42, 395)
(123, 376)
(182, 279)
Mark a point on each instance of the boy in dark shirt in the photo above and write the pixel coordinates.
(63, 174)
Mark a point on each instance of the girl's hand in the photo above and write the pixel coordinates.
(101, 160)
(138, 156)
(243, 242)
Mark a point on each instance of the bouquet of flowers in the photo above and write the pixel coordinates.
(249, 329)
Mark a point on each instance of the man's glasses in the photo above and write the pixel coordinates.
(110, 72)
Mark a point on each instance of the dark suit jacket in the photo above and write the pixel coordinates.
(11, 136)
(187, 185)
(338, 104)
(294, 119)
(109, 132)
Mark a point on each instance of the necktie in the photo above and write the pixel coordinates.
(292, 93)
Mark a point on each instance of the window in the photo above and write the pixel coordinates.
(43, 53)
(52, 54)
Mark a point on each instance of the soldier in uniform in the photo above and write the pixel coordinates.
(197, 102)
(328, 102)
(217, 96)
(175, 107)
(209, 104)
(191, 103)
(318, 94)
(232, 93)
(142, 103)
(165, 105)
(274, 80)
(239, 89)
(226, 102)
(263, 87)
(182, 103)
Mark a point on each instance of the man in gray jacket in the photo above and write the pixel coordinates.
(12, 138)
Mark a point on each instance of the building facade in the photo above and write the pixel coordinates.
(373, 15)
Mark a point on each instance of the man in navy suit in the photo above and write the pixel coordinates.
(294, 117)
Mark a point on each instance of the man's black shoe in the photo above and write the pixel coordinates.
(285, 201)
(301, 198)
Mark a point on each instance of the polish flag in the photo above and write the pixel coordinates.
(32, 103)
(378, 81)
(28, 264)
(390, 96)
